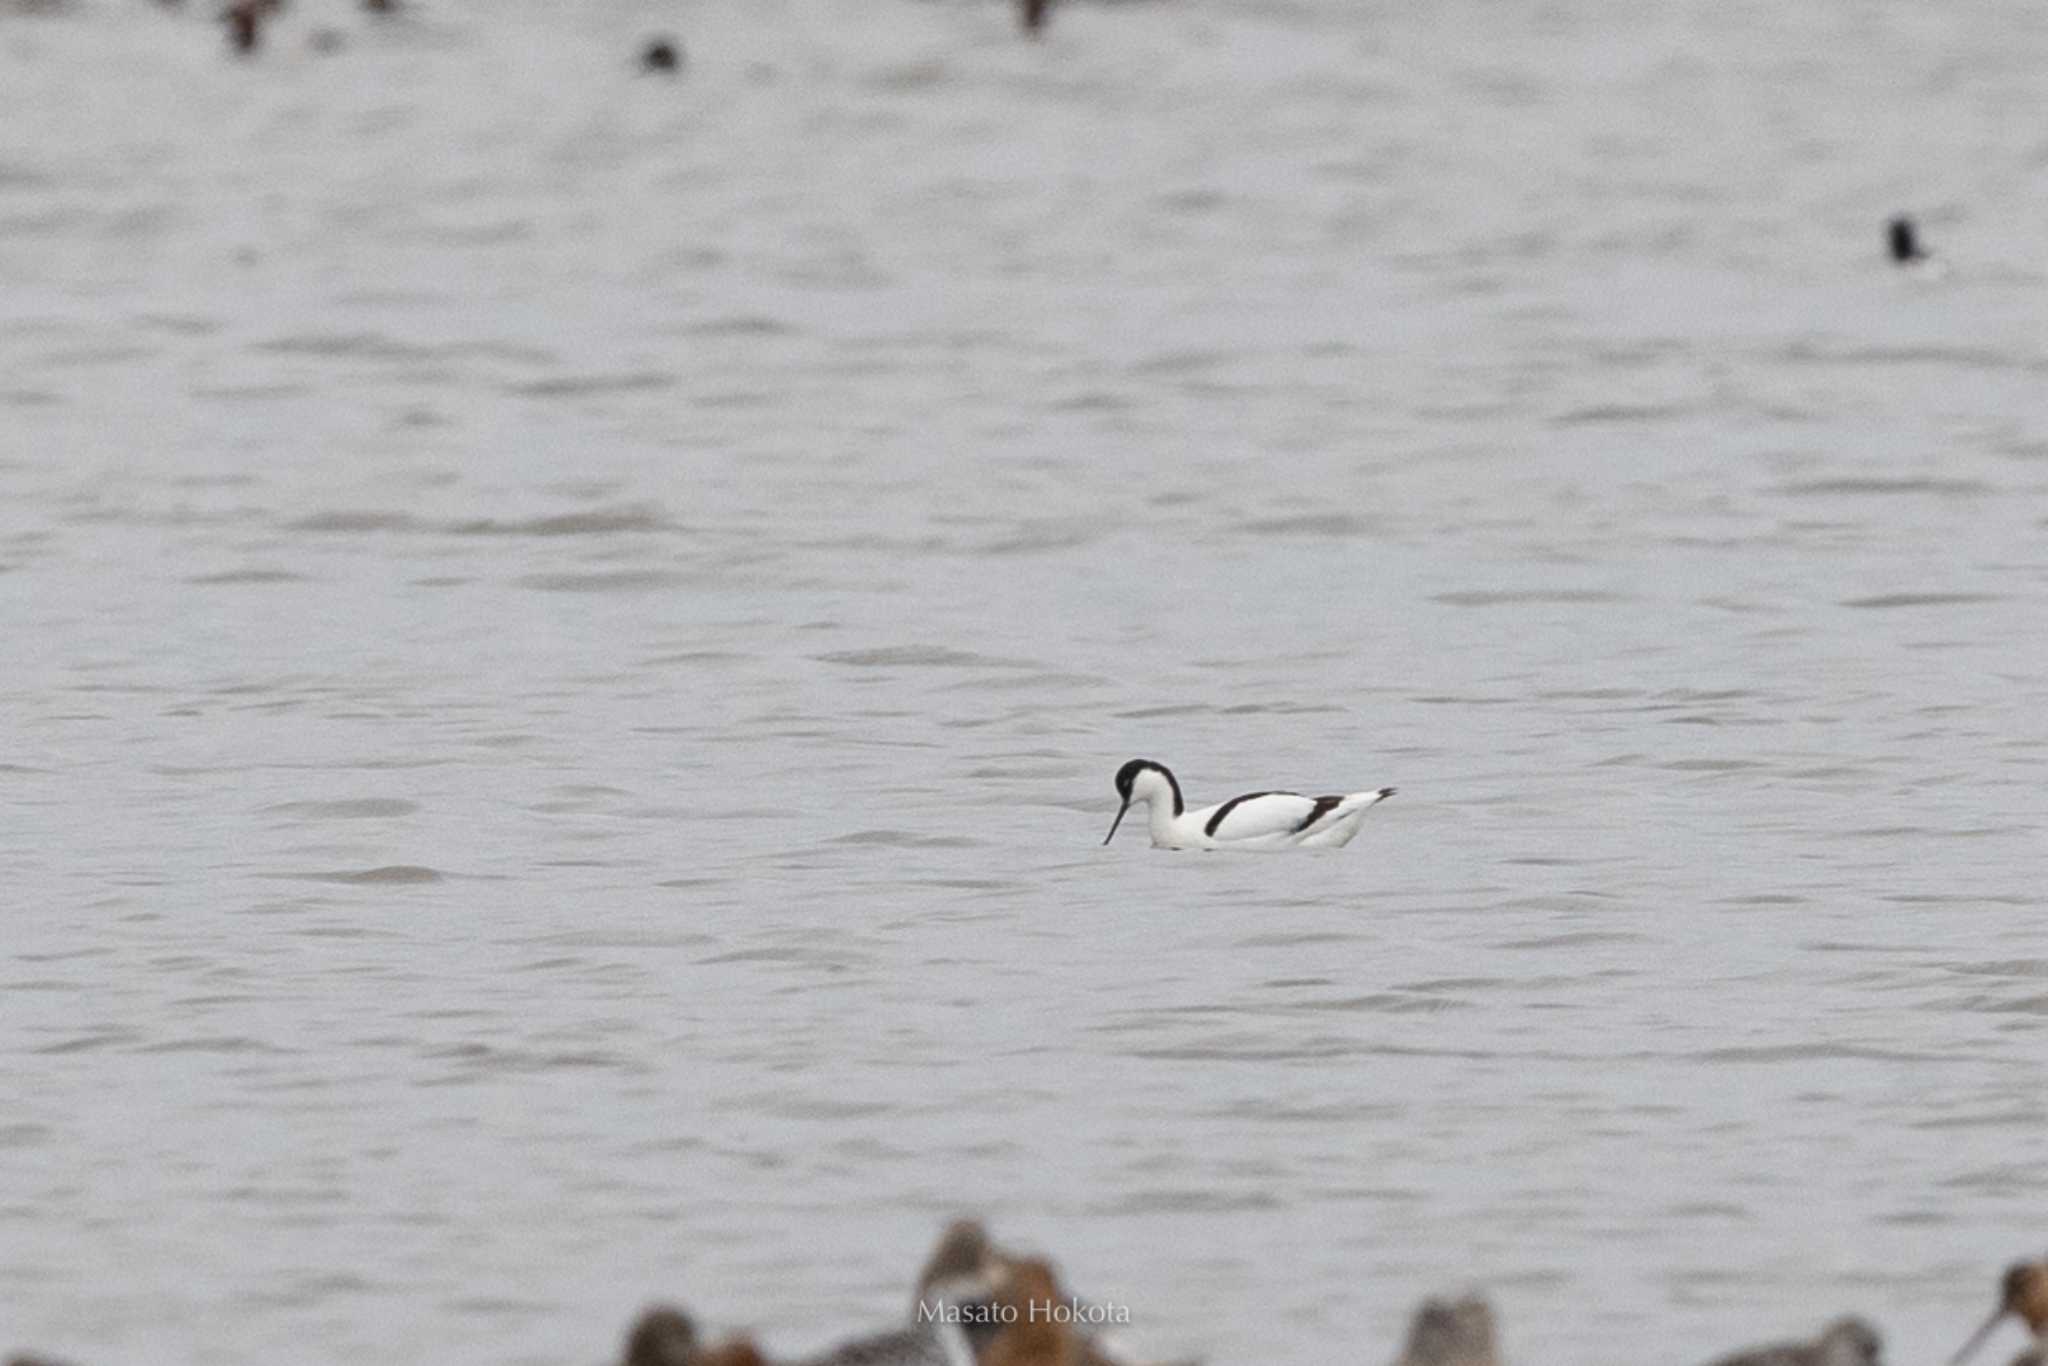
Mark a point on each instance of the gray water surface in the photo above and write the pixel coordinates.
(567, 635)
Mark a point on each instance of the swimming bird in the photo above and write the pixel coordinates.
(1902, 239)
(1902, 243)
(245, 19)
(964, 1265)
(1845, 1342)
(661, 55)
(665, 1336)
(1033, 1331)
(977, 1280)
(1256, 821)
(930, 1344)
(2024, 1295)
(951, 1319)
(1451, 1333)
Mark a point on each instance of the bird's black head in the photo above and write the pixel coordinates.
(1128, 774)
(1127, 778)
(1126, 786)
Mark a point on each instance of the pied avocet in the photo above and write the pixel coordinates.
(1257, 820)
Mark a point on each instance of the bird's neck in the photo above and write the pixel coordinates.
(1159, 813)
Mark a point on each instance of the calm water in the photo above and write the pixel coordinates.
(567, 635)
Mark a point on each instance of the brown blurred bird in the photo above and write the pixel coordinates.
(963, 1261)
(245, 24)
(1451, 1333)
(1845, 1342)
(1034, 13)
(2024, 1295)
(1033, 1334)
(968, 1268)
(665, 1337)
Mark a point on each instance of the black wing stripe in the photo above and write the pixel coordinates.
(1231, 805)
(1322, 808)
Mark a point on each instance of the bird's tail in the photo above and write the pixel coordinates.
(1347, 817)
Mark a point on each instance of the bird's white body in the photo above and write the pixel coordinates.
(1257, 821)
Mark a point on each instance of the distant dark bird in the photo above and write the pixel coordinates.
(1845, 1342)
(1903, 239)
(381, 6)
(1034, 13)
(245, 24)
(660, 54)
(2024, 1295)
